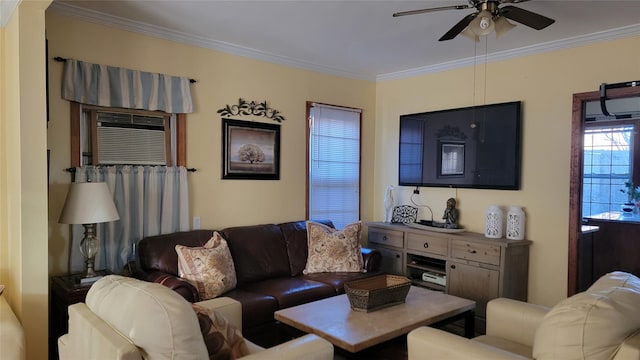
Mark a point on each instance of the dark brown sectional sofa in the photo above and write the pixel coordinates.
(269, 260)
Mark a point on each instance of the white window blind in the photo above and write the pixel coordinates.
(334, 164)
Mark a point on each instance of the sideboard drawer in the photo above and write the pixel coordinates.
(425, 243)
(480, 252)
(386, 237)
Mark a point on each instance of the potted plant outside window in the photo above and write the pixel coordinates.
(633, 196)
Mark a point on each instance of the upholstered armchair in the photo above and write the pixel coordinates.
(125, 318)
(12, 341)
(600, 323)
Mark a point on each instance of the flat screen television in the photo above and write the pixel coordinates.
(474, 147)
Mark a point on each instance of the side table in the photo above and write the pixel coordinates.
(65, 290)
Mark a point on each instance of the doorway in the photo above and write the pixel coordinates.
(612, 247)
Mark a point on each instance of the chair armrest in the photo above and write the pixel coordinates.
(63, 347)
(372, 259)
(229, 308)
(429, 342)
(90, 335)
(12, 339)
(630, 348)
(182, 287)
(306, 347)
(514, 320)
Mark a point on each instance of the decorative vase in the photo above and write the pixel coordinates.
(515, 223)
(493, 222)
(388, 203)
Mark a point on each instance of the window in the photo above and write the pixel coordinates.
(608, 164)
(333, 177)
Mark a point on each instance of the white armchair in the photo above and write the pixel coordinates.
(12, 341)
(600, 323)
(125, 318)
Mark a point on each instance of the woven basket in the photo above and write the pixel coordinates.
(377, 292)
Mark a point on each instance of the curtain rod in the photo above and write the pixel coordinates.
(61, 59)
(73, 169)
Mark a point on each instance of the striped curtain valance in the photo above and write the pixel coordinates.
(111, 86)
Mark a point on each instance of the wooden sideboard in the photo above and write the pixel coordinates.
(468, 265)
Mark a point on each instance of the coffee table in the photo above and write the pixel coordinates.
(353, 331)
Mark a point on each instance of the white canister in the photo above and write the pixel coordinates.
(493, 222)
(515, 223)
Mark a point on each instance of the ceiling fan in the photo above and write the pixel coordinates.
(488, 17)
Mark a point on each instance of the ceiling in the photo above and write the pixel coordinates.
(356, 38)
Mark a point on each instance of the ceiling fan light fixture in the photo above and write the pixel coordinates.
(470, 34)
(502, 25)
(483, 23)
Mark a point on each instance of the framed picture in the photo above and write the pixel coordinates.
(250, 150)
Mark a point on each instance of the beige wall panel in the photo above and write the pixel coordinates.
(221, 79)
(545, 84)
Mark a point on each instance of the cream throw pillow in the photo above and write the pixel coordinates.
(331, 250)
(209, 268)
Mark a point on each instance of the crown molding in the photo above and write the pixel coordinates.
(7, 7)
(608, 35)
(177, 36)
(199, 41)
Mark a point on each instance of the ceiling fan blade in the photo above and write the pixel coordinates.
(512, 1)
(526, 17)
(422, 11)
(458, 28)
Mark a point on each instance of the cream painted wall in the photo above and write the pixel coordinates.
(545, 84)
(23, 181)
(222, 79)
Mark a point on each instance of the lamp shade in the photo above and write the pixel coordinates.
(88, 203)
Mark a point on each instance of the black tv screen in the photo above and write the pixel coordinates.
(473, 147)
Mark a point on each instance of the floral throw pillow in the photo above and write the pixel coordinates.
(223, 340)
(332, 250)
(209, 268)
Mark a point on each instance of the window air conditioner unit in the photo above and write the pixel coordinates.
(130, 139)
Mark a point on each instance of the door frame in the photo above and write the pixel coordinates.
(576, 174)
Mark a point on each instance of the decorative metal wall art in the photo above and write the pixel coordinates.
(251, 108)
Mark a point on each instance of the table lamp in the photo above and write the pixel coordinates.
(87, 204)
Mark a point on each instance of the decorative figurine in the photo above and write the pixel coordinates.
(450, 216)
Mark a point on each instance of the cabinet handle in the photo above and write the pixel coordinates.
(426, 245)
(472, 251)
(384, 237)
(397, 256)
(453, 266)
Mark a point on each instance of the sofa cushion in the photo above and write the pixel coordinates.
(290, 291)
(155, 318)
(257, 309)
(209, 268)
(337, 279)
(591, 325)
(258, 251)
(223, 340)
(295, 237)
(331, 250)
